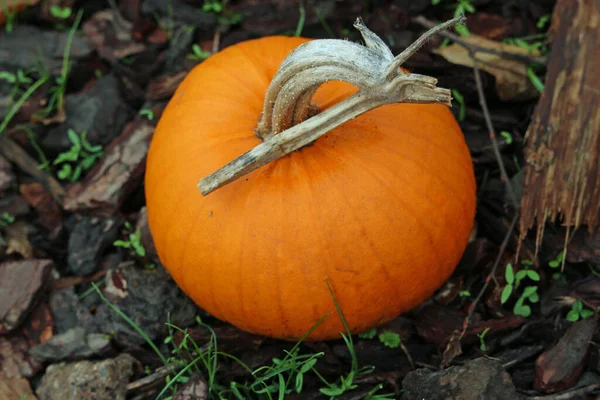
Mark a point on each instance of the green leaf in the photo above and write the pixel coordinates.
(507, 137)
(554, 264)
(509, 274)
(71, 155)
(529, 290)
(299, 382)
(308, 365)
(573, 316)
(534, 298)
(461, 101)
(7, 76)
(586, 313)
(535, 80)
(520, 275)
(333, 390)
(60, 12)
(577, 306)
(74, 137)
(522, 310)
(469, 7)
(139, 248)
(506, 292)
(556, 276)
(533, 275)
(76, 173)
(370, 334)
(88, 146)
(390, 339)
(65, 171)
(122, 243)
(542, 21)
(560, 256)
(527, 263)
(462, 30)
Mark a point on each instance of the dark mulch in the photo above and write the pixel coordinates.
(58, 235)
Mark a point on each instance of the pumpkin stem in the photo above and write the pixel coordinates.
(290, 121)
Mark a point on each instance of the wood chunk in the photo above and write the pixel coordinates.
(561, 367)
(106, 379)
(15, 360)
(20, 284)
(41, 200)
(119, 172)
(15, 389)
(111, 35)
(481, 378)
(562, 172)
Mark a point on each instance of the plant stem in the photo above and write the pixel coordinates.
(289, 120)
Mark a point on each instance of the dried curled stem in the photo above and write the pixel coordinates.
(289, 122)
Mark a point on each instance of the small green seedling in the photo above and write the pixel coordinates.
(134, 243)
(577, 312)
(556, 263)
(464, 293)
(214, 6)
(148, 113)
(543, 21)
(19, 78)
(80, 157)
(198, 54)
(481, 337)
(10, 15)
(529, 293)
(461, 7)
(390, 339)
(507, 137)
(462, 112)
(370, 334)
(6, 219)
(60, 12)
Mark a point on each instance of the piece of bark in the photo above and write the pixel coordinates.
(481, 378)
(562, 172)
(561, 367)
(103, 380)
(20, 284)
(111, 35)
(41, 200)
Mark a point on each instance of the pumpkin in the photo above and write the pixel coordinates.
(380, 207)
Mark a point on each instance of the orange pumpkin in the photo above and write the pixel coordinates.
(382, 206)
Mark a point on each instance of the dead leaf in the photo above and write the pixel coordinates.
(512, 82)
(17, 237)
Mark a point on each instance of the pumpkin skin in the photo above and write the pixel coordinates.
(382, 206)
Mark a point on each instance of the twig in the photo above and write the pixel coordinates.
(491, 132)
(13, 152)
(492, 274)
(573, 394)
(509, 187)
(424, 22)
(154, 378)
